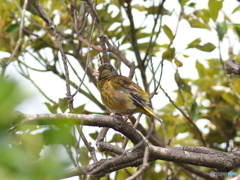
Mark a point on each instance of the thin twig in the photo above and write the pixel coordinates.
(19, 36)
(90, 148)
(34, 69)
(88, 60)
(125, 141)
(160, 78)
(188, 118)
(70, 154)
(177, 79)
(104, 41)
(151, 41)
(144, 165)
(27, 76)
(64, 58)
(231, 133)
(92, 11)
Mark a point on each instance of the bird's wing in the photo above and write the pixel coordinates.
(126, 85)
(135, 93)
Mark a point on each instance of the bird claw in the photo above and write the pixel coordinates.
(116, 115)
(160, 120)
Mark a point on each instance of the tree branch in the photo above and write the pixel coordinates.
(64, 57)
(19, 41)
(231, 66)
(201, 156)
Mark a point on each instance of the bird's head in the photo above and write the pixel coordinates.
(105, 71)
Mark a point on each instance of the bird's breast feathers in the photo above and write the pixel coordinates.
(117, 100)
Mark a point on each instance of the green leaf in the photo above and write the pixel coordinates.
(11, 28)
(182, 84)
(59, 136)
(63, 104)
(214, 7)
(116, 138)
(201, 70)
(230, 98)
(183, 2)
(165, 46)
(208, 47)
(10, 96)
(196, 23)
(39, 45)
(51, 108)
(80, 109)
(84, 158)
(18, 159)
(143, 35)
(221, 29)
(169, 54)
(33, 140)
(93, 135)
(5, 44)
(237, 85)
(192, 5)
(178, 63)
(155, 9)
(236, 9)
(194, 43)
(237, 29)
(145, 45)
(193, 111)
(168, 32)
(139, 7)
(203, 14)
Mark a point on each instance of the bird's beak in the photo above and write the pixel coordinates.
(95, 73)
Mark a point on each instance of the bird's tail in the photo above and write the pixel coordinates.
(159, 120)
(150, 113)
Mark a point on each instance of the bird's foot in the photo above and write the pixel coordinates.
(127, 119)
(116, 115)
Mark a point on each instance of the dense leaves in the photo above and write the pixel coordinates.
(22, 146)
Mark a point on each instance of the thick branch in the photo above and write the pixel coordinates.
(232, 67)
(220, 160)
(201, 156)
(116, 123)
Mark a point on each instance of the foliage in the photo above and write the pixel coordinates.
(21, 146)
(210, 101)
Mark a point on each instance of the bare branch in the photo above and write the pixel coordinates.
(231, 66)
(222, 161)
(90, 148)
(88, 60)
(64, 57)
(19, 37)
(144, 165)
(91, 9)
(116, 122)
(103, 146)
(184, 114)
(201, 156)
(198, 172)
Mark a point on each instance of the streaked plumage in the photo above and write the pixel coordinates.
(120, 94)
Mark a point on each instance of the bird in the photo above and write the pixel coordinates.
(120, 94)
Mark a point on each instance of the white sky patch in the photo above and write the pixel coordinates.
(202, 125)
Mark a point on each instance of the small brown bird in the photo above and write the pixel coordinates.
(120, 94)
